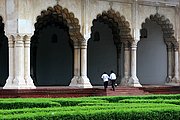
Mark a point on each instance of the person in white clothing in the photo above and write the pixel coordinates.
(112, 78)
(105, 79)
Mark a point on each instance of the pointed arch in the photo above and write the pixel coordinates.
(166, 26)
(120, 26)
(56, 17)
(121, 38)
(164, 49)
(60, 17)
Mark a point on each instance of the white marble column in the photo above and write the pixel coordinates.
(9, 81)
(17, 64)
(19, 81)
(175, 79)
(27, 77)
(118, 73)
(133, 81)
(169, 74)
(84, 80)
(124, 81)
(75, 80)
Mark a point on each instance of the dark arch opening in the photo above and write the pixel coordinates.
(102, 53)
(152, 56)
(4, 58)
(51, 51)
(106, 52)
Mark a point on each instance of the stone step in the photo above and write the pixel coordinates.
(162, 89)
(125, 91)
(52, 92)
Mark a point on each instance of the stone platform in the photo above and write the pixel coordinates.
(54, 92)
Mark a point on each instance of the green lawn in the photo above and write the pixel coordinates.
(149, 107)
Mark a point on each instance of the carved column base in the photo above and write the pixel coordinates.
(9, 82)
(134, 82)
(124, 81)
(74, 81)
(168, 79)
(82, 82)
(29, 83)
(173, 82)
(18, 83)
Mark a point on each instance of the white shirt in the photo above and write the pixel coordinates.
(112, 76)
(105, 77)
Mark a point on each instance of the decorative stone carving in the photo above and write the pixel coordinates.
(118, 24)
(60, 17)
(167, 27)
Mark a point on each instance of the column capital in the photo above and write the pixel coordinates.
(169, 46)
(20, 37)
(176, 46)
(84, 44)
(27, 37)
(136, 32)
(76, 45)
(11, 40)
(134, 44)
(87, 36)
(19, 41)
(126, 45)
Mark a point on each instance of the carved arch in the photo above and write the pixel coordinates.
(60, 17)
(119, 25)
(167, 28)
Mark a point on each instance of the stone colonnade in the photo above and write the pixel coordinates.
(19, 55)
(19, 64)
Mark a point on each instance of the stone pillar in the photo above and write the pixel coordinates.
(75, 80)
(27, 76)
(169, 74)
(133, 81)
(17, 64)
(84, 80)
(9, 81)
(19, 81)
(118, 73)
(175, 79)
(125, 79)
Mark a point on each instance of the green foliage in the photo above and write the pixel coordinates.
(10, 104)
(151, 107)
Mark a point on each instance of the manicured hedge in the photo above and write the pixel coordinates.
(150, 107)
(110, 114)
(21, 104)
